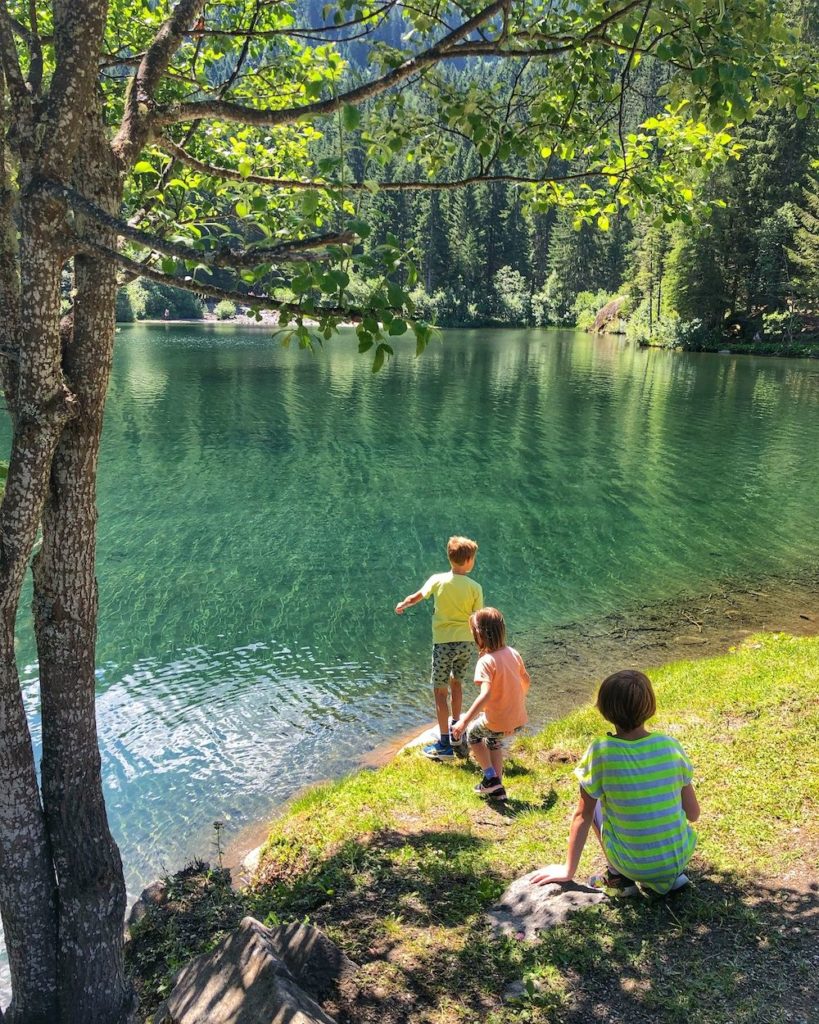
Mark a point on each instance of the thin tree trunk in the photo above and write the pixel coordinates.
(92, 984)
(41, 407)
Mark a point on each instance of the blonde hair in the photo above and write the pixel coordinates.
(488, 629)
(626, 699)
(460, 550)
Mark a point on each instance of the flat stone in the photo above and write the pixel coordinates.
(431, 735)
(524, 910)
(243, 980)
(251, 860)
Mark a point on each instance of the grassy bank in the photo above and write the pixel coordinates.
(398, 866)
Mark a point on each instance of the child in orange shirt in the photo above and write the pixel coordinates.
(499, 710)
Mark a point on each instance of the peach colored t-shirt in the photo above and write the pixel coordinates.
(508, 685)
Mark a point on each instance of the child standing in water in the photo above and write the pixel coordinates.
(500, 708)
(456, 597)
(636, 792)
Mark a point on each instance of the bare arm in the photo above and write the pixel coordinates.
(690, 804)
(408, 602)
(581, 823)
(477, 704)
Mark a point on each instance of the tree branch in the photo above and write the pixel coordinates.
(9, 271)
(296, 249)
(226, 111)
(35, 71)
(229, 174)
(140, 94)
(137, 269)
(10, 58)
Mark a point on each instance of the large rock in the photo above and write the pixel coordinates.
(524, 910)
(247, 980)
(316, 962)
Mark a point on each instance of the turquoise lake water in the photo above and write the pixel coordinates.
(262, 510)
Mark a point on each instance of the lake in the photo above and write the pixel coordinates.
(263, 510)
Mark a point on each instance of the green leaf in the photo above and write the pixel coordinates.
(350, 117)
(397, 327)
(310, 203)
(143, 167)
(378, 360)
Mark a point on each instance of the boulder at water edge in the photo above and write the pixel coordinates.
(526, 909)
(255, 976)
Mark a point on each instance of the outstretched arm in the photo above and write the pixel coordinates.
(408, 602)
(581, 823)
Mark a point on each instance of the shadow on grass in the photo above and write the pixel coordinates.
(409, 909)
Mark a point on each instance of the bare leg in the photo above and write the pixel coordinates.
(457, 697)
(496, 757)
(481, 754)
(442, 710)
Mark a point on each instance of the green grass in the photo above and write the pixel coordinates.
(399, 865)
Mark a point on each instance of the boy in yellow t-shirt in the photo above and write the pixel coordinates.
(456, 598)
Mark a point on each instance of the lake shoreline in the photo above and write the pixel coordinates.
(575, 656)
(400, 868)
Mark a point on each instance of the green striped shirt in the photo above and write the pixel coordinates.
(646, 835)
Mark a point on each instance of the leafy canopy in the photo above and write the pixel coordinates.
(229, 194)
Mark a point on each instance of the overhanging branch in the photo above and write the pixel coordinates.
(230, 174)
(253, 299)
(296, 249)
(224, 110)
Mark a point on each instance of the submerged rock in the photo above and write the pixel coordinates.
(258, 975)
(524, 910)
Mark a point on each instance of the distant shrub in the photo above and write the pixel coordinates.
(147, 300)
(586, 307)
(511, 296)
(225, 310)
(669, 332)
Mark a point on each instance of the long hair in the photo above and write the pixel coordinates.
(488, 629)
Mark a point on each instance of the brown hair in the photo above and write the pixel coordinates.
(488, 628)
(459, 550)
(626, 699)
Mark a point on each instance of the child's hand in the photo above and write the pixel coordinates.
(399, 608)
(457, 728)
(551, 873)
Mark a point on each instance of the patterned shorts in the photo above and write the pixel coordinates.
(478, 731)
(450, 660)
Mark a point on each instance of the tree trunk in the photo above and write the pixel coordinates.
(41, 407)
(91, 889)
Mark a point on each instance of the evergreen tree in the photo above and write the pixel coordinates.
(804, 253)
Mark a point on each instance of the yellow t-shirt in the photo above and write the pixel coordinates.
(456, 597)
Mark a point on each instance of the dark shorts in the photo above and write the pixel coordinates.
(478, 731)
(450, 660)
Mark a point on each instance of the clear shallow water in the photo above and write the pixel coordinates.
(263, 510)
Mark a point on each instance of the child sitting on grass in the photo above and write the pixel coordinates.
(500, 707)
(636, 792)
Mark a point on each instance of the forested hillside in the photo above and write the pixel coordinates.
(741, 266)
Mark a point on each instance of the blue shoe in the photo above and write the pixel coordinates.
(439, 751)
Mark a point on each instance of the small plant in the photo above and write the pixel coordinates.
(217, 841)
(225, 310)
(4, 472)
